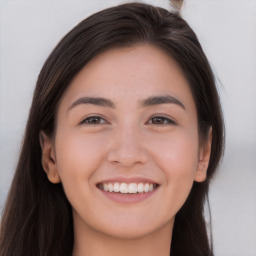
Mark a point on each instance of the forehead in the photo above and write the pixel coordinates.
(130, 74)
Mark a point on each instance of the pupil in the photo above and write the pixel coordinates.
(158, 120)
(94, 120)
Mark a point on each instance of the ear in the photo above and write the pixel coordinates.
(204, 158)
(48, 158)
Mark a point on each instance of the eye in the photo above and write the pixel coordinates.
(161, 120)
(93, 120)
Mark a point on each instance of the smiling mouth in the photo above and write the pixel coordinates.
(127, 188)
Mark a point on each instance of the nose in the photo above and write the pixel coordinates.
(127, 147)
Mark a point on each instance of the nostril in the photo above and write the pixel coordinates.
(128, 158)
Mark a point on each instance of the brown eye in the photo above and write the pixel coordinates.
(160, 120)
(93, 120)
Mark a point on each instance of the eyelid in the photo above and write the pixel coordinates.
(170, 120)
(83, 122)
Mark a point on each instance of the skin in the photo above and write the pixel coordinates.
(126, 141)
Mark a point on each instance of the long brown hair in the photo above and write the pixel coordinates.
(37, 219)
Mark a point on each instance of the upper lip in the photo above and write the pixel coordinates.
(128, 180)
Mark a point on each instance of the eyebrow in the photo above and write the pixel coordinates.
(156, 100)
(94, 101)
(151, 101)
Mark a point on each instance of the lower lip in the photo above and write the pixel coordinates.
(128, 198)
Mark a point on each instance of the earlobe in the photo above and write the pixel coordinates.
(48, 158)
(204, 158)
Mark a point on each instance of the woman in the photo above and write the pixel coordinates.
(124, 135)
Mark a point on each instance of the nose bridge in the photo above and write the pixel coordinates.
(127, 147)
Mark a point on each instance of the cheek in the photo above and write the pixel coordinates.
(177, 157)
(77, 158)
(177, 152)
(182, 158)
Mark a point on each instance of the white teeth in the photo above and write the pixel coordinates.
(105, 187)
(132, 188)
(140, 188)
(125, 188)
(116, 187)
(146, 188)
(110, 187)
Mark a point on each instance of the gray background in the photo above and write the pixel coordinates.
(227, 30)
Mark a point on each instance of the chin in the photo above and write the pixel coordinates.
(129, 228)
(129, 233)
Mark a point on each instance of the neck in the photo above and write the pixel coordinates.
(89, 242)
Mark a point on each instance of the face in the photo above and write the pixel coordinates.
(128, 123)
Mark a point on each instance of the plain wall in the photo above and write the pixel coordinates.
(227, 31)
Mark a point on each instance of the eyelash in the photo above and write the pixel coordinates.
(86, 120)
(166, 121)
